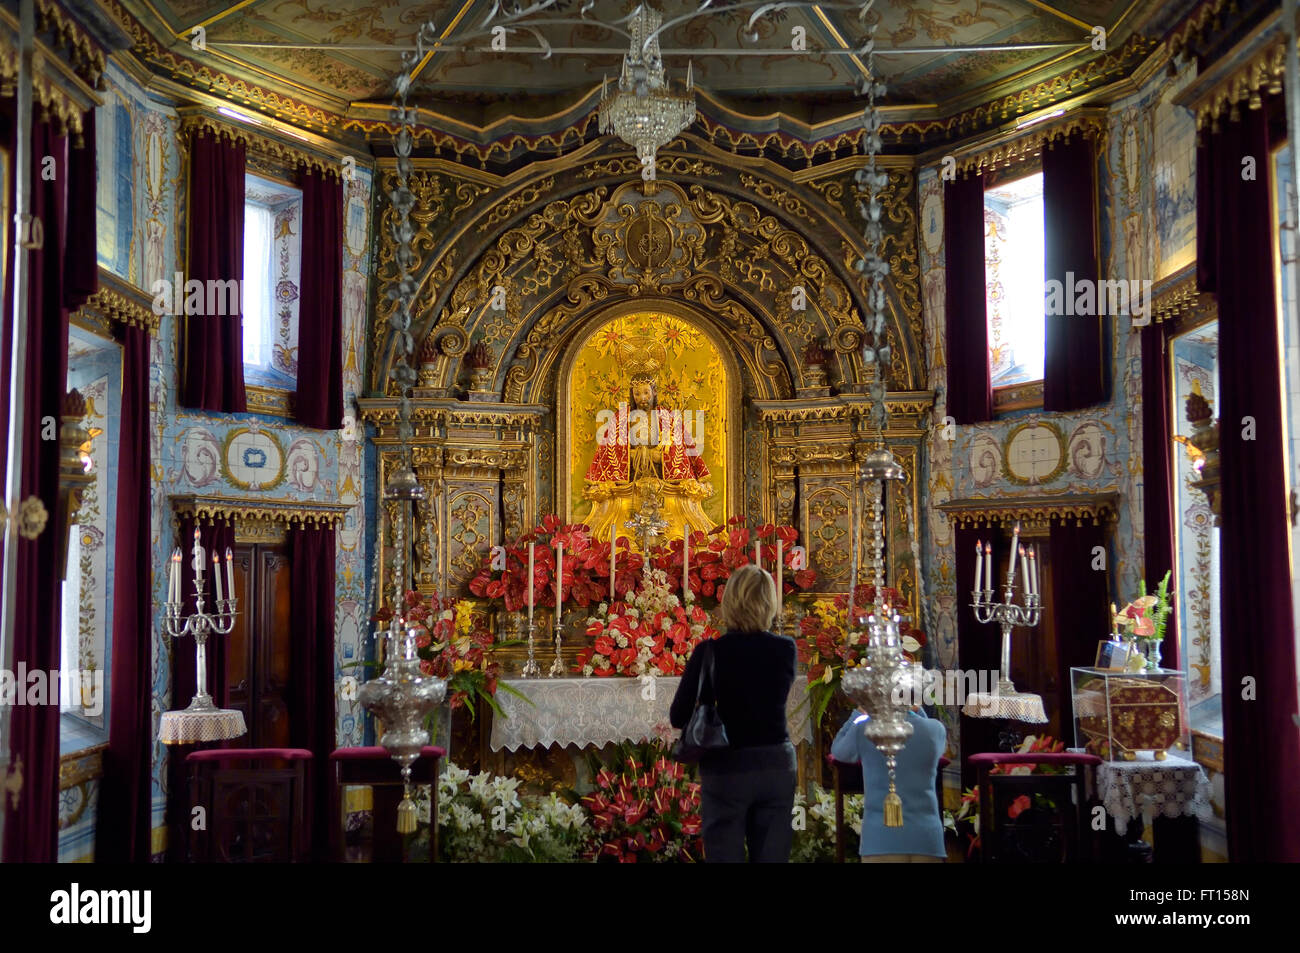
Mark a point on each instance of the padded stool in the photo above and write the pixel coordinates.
(374, 766)
(1075, 830)
(255, 805)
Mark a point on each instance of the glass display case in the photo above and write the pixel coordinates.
(1118, 714)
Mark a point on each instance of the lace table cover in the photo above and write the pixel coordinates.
(1150, 788)
(600, 711)
(1017, 706)
(197, 727)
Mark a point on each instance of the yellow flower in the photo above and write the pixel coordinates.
(461, 665)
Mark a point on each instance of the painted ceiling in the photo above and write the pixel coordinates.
(366, 35)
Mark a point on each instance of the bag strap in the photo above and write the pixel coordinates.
(706, 672)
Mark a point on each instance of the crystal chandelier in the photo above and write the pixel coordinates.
(643, 112)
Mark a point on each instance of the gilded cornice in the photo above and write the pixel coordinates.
(1253, 67)
(440, 413)
(118, 302)
(1177, 296)
(1035, 511)
(272, 401)
(58, 93)
(270, 149)
(84, 54)
(288, 512)
(244, 94)
(1007, 152)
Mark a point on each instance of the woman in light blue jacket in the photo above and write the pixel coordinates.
(920, 839)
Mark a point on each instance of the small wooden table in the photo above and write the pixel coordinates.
(375, 767)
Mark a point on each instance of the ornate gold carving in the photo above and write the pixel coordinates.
(1090, 123)
(664, 165)
(523, 198)
(1262, 72)
(826, 518)
(270, 149)
(118, 302)
(271, 401)
(290, 512)
(1037, 511)
(468, 509)
(778, 197)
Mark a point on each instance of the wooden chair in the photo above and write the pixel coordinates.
(1004, 842)
(254, 802)
(374, 767)
(848, 781)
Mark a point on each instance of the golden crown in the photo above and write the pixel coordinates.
(641, 356)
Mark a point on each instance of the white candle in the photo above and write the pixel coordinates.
(686, 564)
(758, 559)
(1011, 558)
(1024, 568)
(780, 571)
(198, 558)
(979, 563)
(216, 577)
(559, 580)
(230, 574)
(530, 584)
(988, 566)
(1033, 571)
(613, 533)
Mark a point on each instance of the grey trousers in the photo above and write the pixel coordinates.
(747, 800)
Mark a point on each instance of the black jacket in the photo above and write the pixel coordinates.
(753, 673)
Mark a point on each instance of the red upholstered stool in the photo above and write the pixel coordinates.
(375, 767)
(848, 780)
(1001, 840)
(255, 805)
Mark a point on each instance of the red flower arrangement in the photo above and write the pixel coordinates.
(724, 549)
(652, 634)
(714, 557)
(644, 809)
(586, 568)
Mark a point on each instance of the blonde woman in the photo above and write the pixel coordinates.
(747, 791)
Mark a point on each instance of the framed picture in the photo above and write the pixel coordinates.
(1112, 655)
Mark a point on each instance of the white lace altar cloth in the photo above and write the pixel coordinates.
(1017, 706)
(600, 711)
(186, 727)
(1149, 788)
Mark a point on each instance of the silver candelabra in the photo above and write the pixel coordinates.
(200, 624)
(1008, 613)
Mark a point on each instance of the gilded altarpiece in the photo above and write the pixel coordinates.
(750, 263)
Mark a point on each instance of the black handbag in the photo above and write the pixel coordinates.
(704, 732)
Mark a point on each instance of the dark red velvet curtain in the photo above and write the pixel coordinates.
(1157, 477)
(1075, 365)
(62, 275)
(212, 348)
(124, 821)
(319, 401)
(1261, 741)
(970, 391)
(979, 648)
(311, 693)
(1078, 597)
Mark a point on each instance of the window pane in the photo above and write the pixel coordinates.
(70, 623)
(258, 230)
(1013, 280)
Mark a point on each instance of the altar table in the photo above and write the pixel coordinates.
(601, 711)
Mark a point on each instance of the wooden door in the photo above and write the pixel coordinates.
(258, 668)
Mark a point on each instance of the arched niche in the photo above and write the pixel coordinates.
(723, 450)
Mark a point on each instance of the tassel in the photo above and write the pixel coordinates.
(406, 814)
(893, 809)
